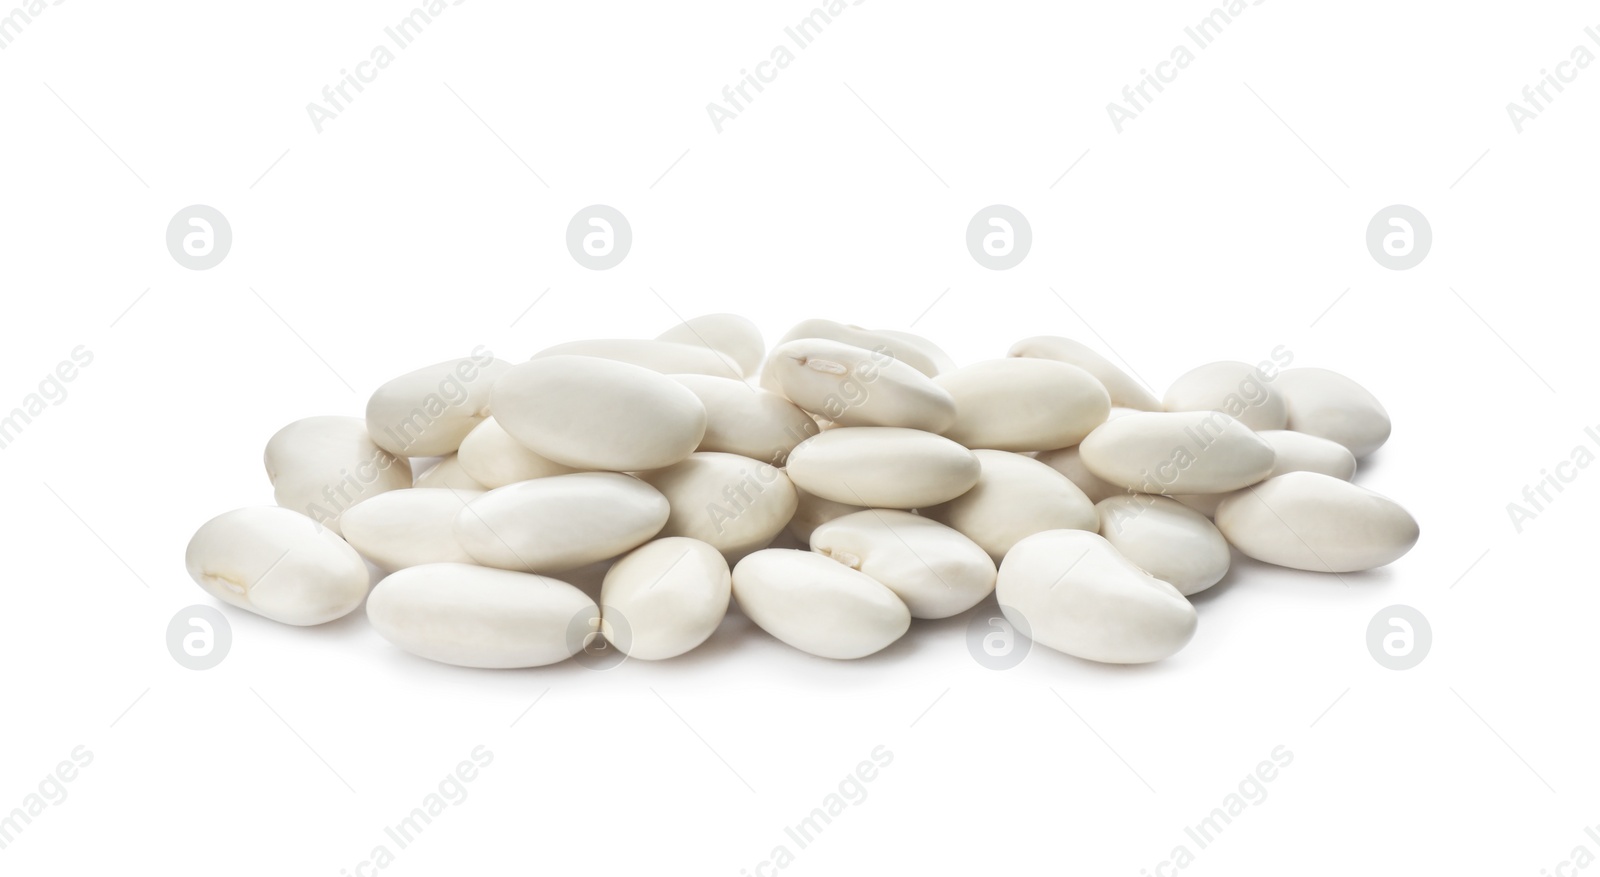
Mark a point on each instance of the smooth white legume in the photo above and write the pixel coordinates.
(322, 466)
(591, 413)
(550, 525)
(279, 564)
(1072, 591)
(934, 570)
(818, 605)
(665, 597)
(472, 616)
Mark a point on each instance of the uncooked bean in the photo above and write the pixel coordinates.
(279, 564)
(321, 466)
(664, 598)
(1180, 452)
(1177, 545)
(491, 457)
(735, 504)
(413, 527)
(427, 412)
(818, 605)
(1124, 390)
(1015, 497)
(1329, 405)
(591, 413)
(471, 616)
(1022, 404)
(854, 387)
(1311, 521)
(1299, 452)
(1070, 590)
(1240, 390)
(746, 420)
(550, 525)
(898, 348)
(728, 334)
(935, 570)
(882, 467)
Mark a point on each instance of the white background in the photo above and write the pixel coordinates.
(1220, 224)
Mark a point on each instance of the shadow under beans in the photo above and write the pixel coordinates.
(1368, 465)
(1264, 574)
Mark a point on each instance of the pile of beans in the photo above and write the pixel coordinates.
(911, 488)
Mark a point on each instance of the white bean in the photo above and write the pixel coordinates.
(1300, 452)
(1022, 404)
(1177, 545)
(321, 466)
(818, 605)
(1070, 590)
(854, 387)
(1181, 452)
(745, 420)
(1307, 520)
(882, 467)
(664, 598)
(428, 412)
(899, 348)
(1125, 392)
(1240, 390)
(935, 570)
(592, 413)
(554, 524)
(278, 564)
(1329, 405)
(409, 527)
(736, 504)
(471, 616)
(1015, 497)
(491, 457)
